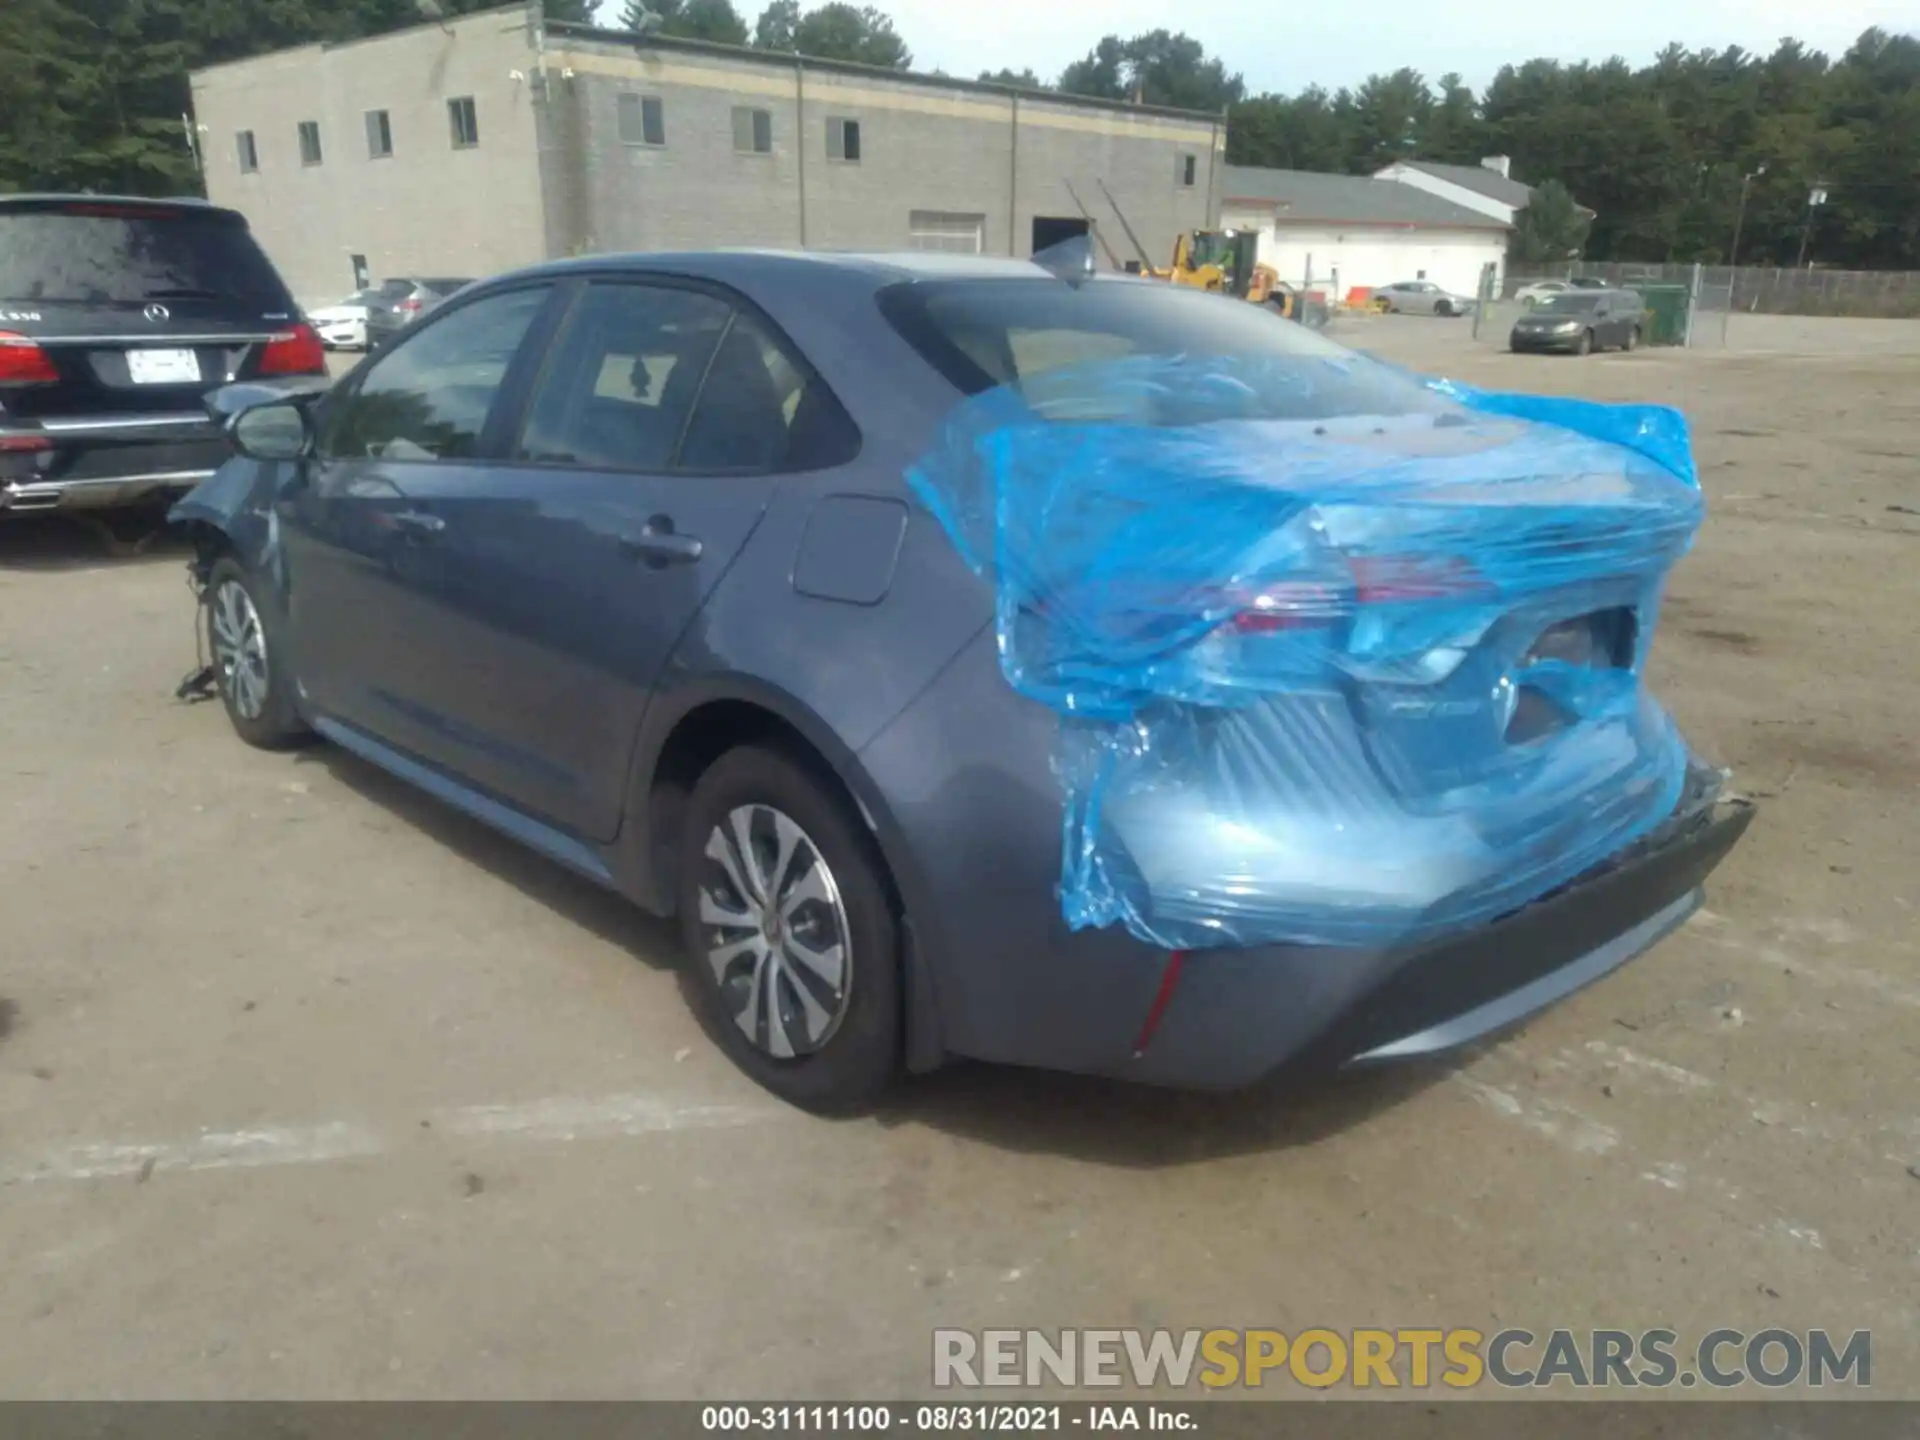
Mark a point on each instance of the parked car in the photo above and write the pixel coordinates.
(116, 318)
(1581, 321)
(617, 555)
(1588, 282)
(1531, 295)
(1420, 297)
(411, 298)
(343, 326)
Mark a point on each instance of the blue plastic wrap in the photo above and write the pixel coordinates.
(1325, 675)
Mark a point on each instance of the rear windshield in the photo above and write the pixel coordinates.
(983, 333)
(108, 254)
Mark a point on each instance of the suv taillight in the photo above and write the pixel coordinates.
(23, 362)
(294, 352)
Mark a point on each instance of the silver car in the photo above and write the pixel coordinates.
(1419, 297)
(407, 299)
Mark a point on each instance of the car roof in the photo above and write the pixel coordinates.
(736, 265)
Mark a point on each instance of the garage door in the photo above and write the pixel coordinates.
(946, 230)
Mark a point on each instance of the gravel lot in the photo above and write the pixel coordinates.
(311, 1089)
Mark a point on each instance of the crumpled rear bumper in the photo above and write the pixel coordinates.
(1236, 1015)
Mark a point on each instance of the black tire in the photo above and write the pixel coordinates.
(270, 722)
(857, 1057)
(1443, 309)
(1584, 345)
(1632, 341)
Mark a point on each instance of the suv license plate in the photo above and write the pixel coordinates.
(163, 367)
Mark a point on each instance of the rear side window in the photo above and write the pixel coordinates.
(761, 410)
(622, 380)
(112, 254)
(983, 333)
(428, 398)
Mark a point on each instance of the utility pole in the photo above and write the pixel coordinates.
(1733, 256)
(1816, 196)
(1740, 218)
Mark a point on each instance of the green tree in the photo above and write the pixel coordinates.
(775, 28)
(1156, 68)
(688, 19)
(1019, 79)
(1550, 229)
(863, 35)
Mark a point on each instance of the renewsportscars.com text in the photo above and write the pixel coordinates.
(1368, 1359)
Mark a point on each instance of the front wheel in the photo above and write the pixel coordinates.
(1584, 345)
(1443, 308)
(247, 643)
(1632, 341)
(792, 945)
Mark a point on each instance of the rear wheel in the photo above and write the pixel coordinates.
(249, 659)
(793, 950)
(1584, 345)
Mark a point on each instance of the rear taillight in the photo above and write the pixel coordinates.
(23, 362)
(294, 352)
(408, 306)
(24, 444)
(1375, 580)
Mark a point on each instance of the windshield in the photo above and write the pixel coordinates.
(1566, 304)
(983, 333)
(103, 253)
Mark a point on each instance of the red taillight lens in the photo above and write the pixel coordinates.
(294, 352)
(24, 444)
(408, 307)
(23, 362)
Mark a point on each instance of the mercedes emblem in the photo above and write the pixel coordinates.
(157, 313)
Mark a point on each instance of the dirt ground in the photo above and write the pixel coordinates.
(312, 1089)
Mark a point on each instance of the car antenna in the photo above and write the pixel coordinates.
(1070, 259)
(1093, 226)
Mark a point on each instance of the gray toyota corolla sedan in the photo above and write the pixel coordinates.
(617, 555)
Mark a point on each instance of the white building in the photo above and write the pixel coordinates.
(1487, 188)
(1342, 232)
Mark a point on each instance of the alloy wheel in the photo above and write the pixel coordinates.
(240, 649)
(776, 934)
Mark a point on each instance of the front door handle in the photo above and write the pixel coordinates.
(659, 545)
(418, 522)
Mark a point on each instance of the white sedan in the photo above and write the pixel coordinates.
(1532, 295)
(344, 326)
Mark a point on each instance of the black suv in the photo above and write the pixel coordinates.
(117, 316)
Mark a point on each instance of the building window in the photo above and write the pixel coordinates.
(309, 142)
(1189, 169)
(249, 153)
(843, 139)
(947, 231)
(752, 130)
(643, 120)
(464, 123)
(379, 135)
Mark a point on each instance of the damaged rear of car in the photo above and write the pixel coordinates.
(1348, 670)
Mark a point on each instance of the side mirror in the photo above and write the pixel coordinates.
(276, 431)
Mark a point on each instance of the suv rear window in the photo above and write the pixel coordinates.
(983, 333)
(123, 254)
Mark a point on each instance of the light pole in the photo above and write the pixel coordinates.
(1816, 196)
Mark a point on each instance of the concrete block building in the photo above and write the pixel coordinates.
(471, 145)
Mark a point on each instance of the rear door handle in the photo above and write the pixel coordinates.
(418, 522)
(658, 544)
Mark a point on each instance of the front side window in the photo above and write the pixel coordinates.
(464, 121)
(428, 398)
(249, 153)
(309, 142)
(379, 135)
(623, 377)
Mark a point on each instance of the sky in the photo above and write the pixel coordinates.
(1284, 45)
